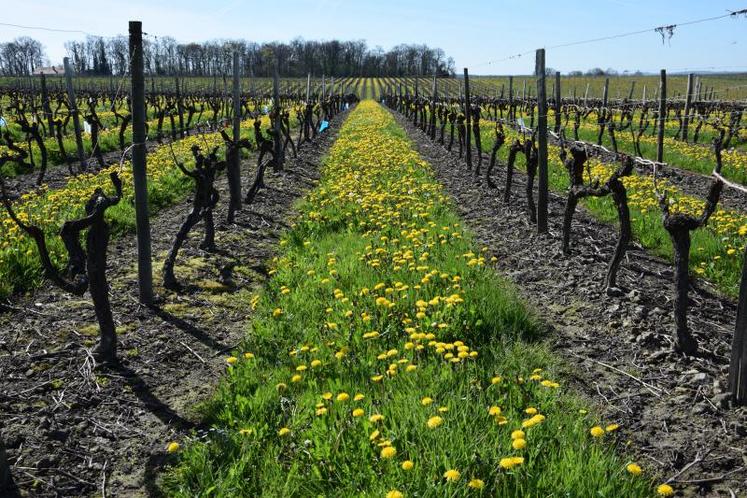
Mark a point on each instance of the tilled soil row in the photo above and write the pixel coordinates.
(673, 410)
(72, 430)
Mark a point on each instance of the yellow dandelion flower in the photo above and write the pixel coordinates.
(664, 490)
(388, 452)
(476, 484)
(452, 475)
(519, 444)
(434, 422)
(597, 431)
(634, 469)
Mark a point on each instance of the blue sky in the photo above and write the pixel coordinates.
(472, 32)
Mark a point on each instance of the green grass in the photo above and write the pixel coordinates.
(377, 247)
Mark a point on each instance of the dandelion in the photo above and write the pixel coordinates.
(281, 386)
(597, 431)
(231, 360)
(426, 401)
(476, 484)
(612, 427)
(394, 494)
(358, 397)
(327, 396)
(277, 312)
(358, 412)
(434, 422)
(284, 431)
(249, 356)
(664, 490)
(510, 462)
(494, 410)
(452, 475)
(343, 397)
(296, 378)
(407, 465)
(316, 363)
(172, 447)
(634, 469)
(519, 444)
(496, 380)
(518, 434)
(388, 452)
(531, 411)
(376, 417)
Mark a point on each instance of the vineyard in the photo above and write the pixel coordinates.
(410, 285)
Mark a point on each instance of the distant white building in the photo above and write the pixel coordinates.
(49, 70)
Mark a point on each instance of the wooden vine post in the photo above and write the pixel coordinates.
(603, 114)
(45, 106)
(738, 365)
(74, 113)
(279, 159)
(467, 112)
(234, 168)
(688, 105)
(139, 174)
(510, 99)
(557, 101)
(179, 107)
(662, 116)
(541, 142)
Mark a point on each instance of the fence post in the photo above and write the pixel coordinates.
(467, 112)
(542, 142)
(432, 117)
(586, 95)
(738, 364)
(234, 167)
(557, 101)
(632, 89)
(179, 108)
(139, 174)
(662, 116)
(45, 106)
(510, 99)
(279, 159)
(308, 87)
(688, 104)
(602, 120)
(74, 113)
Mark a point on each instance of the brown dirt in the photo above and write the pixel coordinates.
(673, 409)
(72, 430)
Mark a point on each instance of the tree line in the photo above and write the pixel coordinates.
(165, 56)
